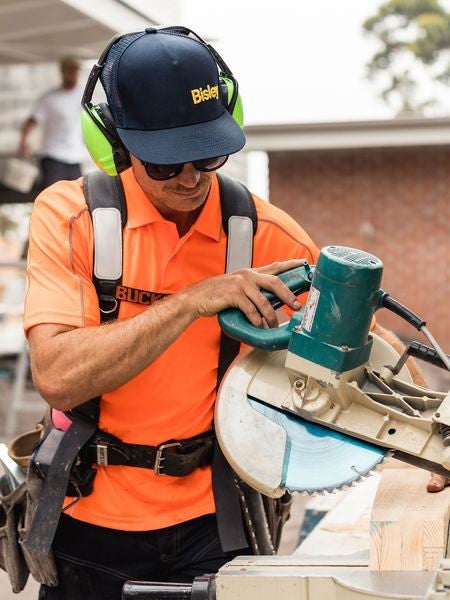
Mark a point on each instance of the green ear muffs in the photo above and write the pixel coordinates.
(102, 141)
(232, 100)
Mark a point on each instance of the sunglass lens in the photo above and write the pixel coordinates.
(210, 164)
(162, 172)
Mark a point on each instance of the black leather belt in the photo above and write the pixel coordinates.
(175, 458)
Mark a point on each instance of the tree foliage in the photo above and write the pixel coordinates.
(418, 30)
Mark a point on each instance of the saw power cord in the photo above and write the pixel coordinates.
(442, 355)
(414, 320)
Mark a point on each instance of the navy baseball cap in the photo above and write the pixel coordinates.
(163, 91)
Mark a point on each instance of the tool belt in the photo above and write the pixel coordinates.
(66, 463)
(174, 458)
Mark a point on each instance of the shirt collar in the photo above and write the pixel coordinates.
(209, 221)
(139, 208)
(142, 212)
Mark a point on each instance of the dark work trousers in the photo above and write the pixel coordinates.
(54, 170)
(94, 562)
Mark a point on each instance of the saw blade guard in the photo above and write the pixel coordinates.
(273, 449)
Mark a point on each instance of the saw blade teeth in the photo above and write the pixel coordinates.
(344, 487)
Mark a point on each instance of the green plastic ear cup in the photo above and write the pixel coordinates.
(238, 112)
(98, 146)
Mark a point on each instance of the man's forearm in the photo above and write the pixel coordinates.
(71, 366)
(79, 364)
(25, 131)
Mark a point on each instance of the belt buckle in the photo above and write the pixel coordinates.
(102, 455)
(160, 458)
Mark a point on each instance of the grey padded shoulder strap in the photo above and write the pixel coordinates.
(239, 221)
(108, 210)
(106, 202)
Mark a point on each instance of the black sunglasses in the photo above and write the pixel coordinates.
(163, 172)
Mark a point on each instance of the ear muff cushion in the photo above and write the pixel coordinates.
(105, 148)
(227, 89)
(98, 146)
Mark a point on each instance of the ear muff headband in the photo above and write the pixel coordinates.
(97, 125)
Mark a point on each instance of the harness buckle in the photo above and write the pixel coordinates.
(102, 455)
(160, 458)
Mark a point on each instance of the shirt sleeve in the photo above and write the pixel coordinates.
(59, 271)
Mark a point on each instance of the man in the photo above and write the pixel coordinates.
(58, 114)
(155, 367)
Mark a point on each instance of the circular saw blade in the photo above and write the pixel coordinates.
(317, 458)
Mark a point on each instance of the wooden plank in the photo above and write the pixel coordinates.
(343, 534)
(409, 527)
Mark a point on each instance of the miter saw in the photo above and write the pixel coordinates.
(315, 406)
(320, 401)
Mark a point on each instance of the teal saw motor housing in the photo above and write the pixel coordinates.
(334, 331)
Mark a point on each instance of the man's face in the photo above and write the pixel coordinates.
(184, 193)
(70, 75)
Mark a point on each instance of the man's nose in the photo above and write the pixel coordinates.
(189, 175)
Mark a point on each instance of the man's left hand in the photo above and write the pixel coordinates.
(437, 482)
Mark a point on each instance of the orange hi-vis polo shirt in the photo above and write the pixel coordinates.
(173, 398)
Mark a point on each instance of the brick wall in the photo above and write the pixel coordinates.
(394, 203)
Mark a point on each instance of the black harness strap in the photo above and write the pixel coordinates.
(236, 200)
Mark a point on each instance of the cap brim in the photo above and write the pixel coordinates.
(219, 137)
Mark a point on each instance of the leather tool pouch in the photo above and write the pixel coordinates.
(12, 511)
(17, 508)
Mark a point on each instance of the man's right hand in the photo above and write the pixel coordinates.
(242, 290)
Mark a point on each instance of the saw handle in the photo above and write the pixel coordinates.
(236, 325)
